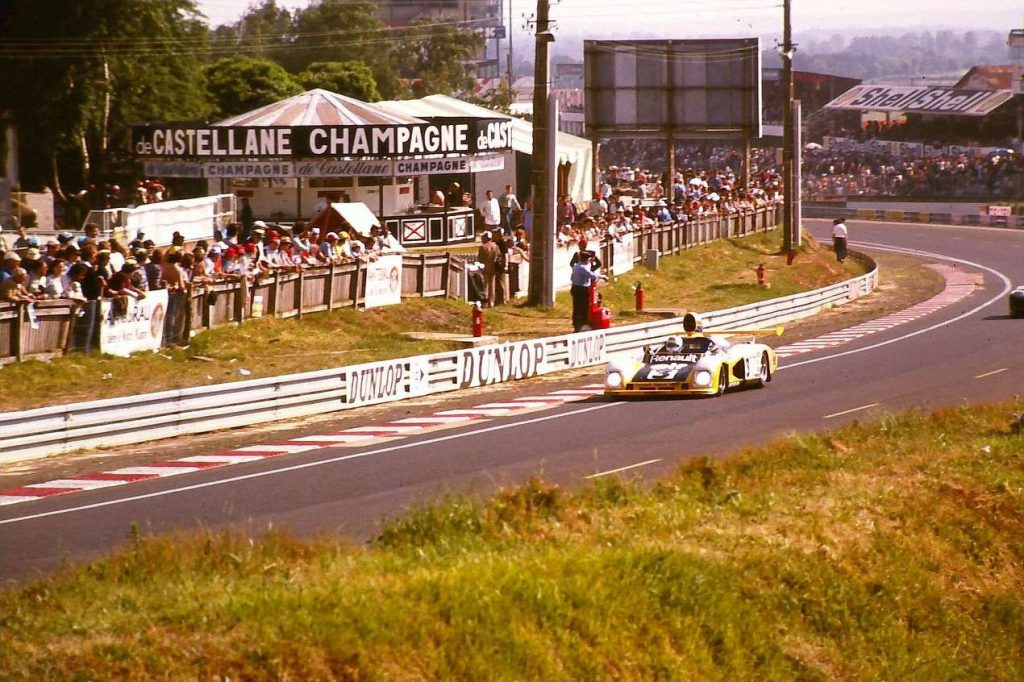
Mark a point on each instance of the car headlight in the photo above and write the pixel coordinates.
(613, 379)
(702, 378)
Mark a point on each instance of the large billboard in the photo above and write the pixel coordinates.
(921, 100)
(690, 89)
(441, 136)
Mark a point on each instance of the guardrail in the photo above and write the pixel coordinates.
(1015, 222)
(59, 429)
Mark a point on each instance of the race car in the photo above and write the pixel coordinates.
(694, 363)
(1017, 302)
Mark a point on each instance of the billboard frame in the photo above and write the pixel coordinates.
(740, 54)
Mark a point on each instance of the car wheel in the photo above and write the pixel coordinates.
(765, 374)
(723, 380)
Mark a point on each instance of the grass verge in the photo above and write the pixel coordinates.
(708, 277)
(889, 550)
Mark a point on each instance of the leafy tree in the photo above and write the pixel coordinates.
(239, 84)
(76, 75)
(264, 31)
(340, 31)
(498, 99)
(354, 79)
(433, 55)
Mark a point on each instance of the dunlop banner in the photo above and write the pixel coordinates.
(525, 359)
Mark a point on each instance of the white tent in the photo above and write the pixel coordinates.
(339, 216)
(575, 151)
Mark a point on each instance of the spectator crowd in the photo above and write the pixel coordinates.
(89, 268)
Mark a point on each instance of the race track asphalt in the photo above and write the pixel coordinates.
(968, 351)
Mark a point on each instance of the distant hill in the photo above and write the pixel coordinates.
(909, 55)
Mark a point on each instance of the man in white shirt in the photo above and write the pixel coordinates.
(839, 236)
(510, 206)
(491, 213)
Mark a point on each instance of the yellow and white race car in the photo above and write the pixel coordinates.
(694, 363)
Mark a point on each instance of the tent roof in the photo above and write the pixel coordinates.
(571, 149)
(319, 107)
(337, 216)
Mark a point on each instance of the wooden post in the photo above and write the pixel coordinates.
(298, 294)
(241, 296)
(355, 283)
(421, 276)
(446, 274)
(68, 330)
(206, 321)
(275, 291)
(329, 287)
(187, 333)
(18, 331)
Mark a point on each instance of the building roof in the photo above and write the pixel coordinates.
(1005, 77)
(319, 107)
(571, 149)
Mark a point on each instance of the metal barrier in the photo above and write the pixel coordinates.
(119, 421)
(1015, 222)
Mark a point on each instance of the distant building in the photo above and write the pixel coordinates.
(570, 104)
(484, 16)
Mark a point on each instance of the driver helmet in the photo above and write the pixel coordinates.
(673, 343)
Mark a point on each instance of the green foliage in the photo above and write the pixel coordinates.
(136, 56)
(431, 55)
(344, 31)
(263, 32)
(353, 79)
(239, 84)
(498, 99)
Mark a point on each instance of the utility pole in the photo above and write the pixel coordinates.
(790, 221)
(510, 45)
(541, 253)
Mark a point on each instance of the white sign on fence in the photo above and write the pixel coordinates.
(140, 328)
(525, 359)
(622, 254)
(384, 281)
(377, 382)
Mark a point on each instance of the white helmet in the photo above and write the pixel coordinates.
(673, 343)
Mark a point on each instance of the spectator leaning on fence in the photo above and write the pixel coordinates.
(14, 289)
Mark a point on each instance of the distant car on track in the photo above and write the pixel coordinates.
(693, 363)
(1017, 302)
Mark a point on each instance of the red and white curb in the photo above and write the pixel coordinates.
(959, 285)
(356, 436)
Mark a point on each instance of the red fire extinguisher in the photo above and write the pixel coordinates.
(478, 319)
(639, 295)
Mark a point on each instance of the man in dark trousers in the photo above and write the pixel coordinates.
(582, 277)
(839, 236)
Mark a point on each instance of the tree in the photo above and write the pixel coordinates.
(76, 75)
(239, 84)
(264, 32)
(353, 79)
(341, 31)
(434, 55)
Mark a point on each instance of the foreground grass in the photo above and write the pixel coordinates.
(889, 550)
(709, 277)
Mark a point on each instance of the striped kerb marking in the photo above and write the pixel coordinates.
(356, 436)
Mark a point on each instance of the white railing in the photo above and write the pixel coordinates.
(118, 421)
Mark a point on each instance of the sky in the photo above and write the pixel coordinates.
(731, 18)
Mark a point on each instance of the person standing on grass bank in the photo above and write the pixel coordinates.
(582, 277)
(839, 236)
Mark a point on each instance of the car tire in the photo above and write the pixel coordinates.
(765, 373)
(723, 380)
